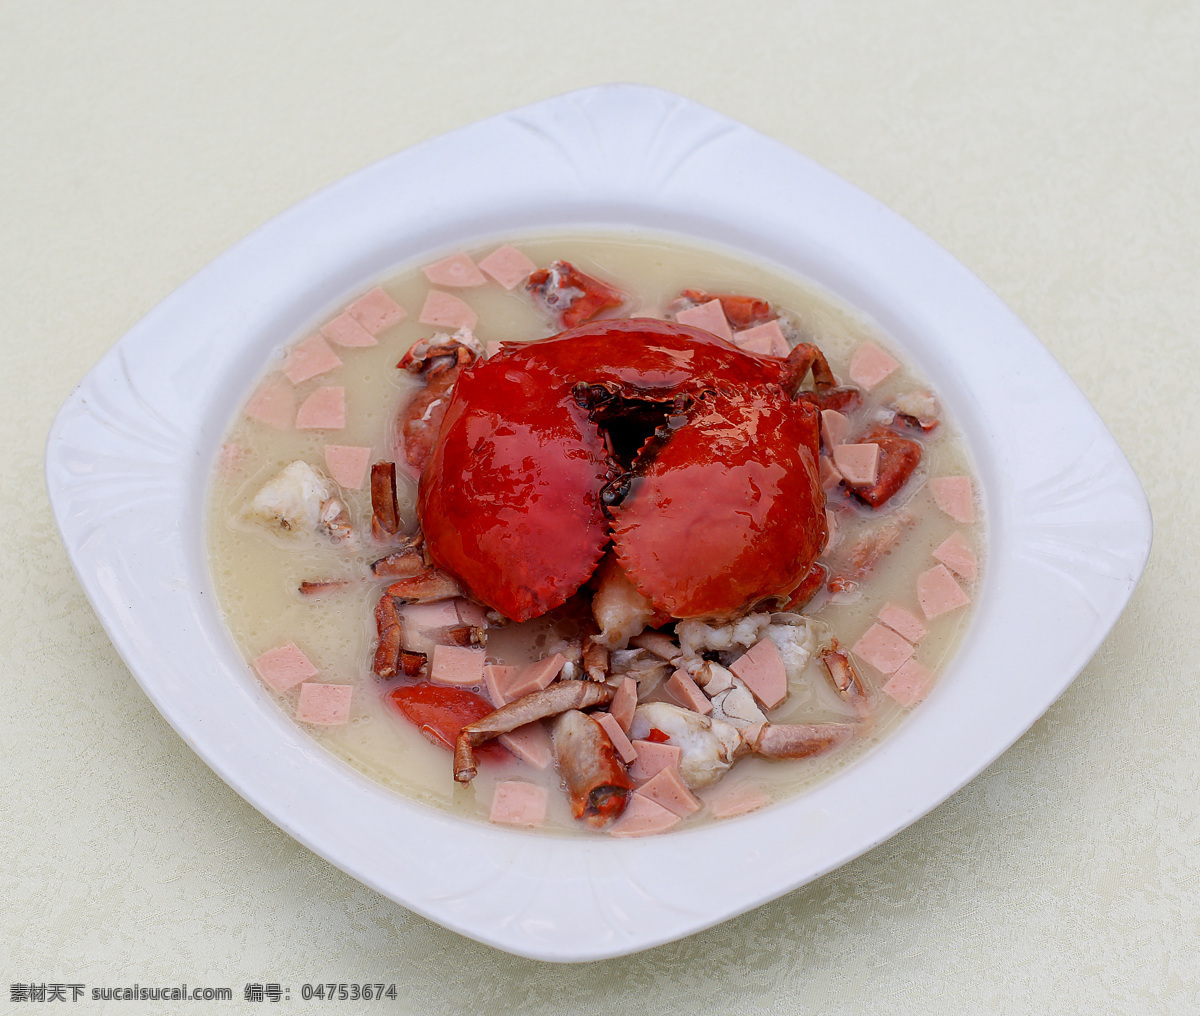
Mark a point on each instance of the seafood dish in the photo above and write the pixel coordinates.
(599, 533)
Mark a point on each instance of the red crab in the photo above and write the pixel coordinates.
(696, 462)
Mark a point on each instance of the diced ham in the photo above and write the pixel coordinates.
(652, 758)
(858, 463)
(954, 496)
(938, 593)
(309, 358)
(492, 348)
(456, 665)
(447, 311)
(347, 464)
(910, 683)
(470, 612)
(324, 409)
(709, 317)
(766, 339)
(624, 703)
(376, 311)
(519, 803)
(643, 817)
(535, 676)
(232, 456)
(738, 800)
(508, 266)
(496, 679)
(830, 477)
(273, 404)
(831, 523)
(902, 622)
(615, 734)
(834, 428)
(870, 365)
(530, 743)
(326, 705)
(668, 789)
(687, 693)
(458, 271)
(347, 330)
(956, 555)
(284, 666)
(761, 670)
(425, 616)
(883, 649)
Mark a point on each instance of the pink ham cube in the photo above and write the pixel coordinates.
(376, 311)
(834, 428)
(310, 358)
(624, 703)
(708, 317)
(870, 365)
(652, 758)
(519, 803)
(761, 670)
(535, 676)
(643, 817)
(668, 789)
(447, 311)
(953, 495)
(530, 743)
(687, 693)
(232, 456)
(830, 477)
(910, 683)
(858, 463)
(325, 705)
(883, 649)
(496, 679)
(956, 555)
(508, 266)
(427, 616)
(456, 665)
(347, 330)
(273, 404)
(324, 409)
(347, 464)
(766, 340)
(738, 800)
(902, 622)
(615, 734)
(284, 666)
(458, 270)
(938, 593)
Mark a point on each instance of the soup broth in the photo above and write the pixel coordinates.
(876, 557)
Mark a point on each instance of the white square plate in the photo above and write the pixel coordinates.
(131, 452)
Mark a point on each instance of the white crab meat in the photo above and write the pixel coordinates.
(736, 706)
(642, 665)
(708, 746)
(921, 406)
(696, 637)
(797, 638)
(292, 500)
(619, 609)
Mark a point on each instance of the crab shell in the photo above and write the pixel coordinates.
(724, 507)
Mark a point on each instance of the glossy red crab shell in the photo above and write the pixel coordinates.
(722, 506)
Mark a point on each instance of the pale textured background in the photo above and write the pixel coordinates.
(1051, 147)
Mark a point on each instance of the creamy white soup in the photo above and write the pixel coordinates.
(298, 593)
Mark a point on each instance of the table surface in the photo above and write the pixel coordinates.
(1050, 147)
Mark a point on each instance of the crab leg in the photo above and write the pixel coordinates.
(845, 679)
(424, 587)
(439, 360)
(385, 511)
(798, 740)
(403, 563)
(573, 297)
(597, 783)
(556, 699)
(740, 311)
(387, 624)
